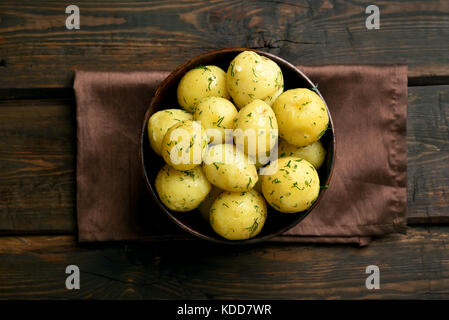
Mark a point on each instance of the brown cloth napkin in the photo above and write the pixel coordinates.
(367, 195)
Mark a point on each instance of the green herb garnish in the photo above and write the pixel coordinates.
(308, 183)
(202, 67)
(295, 185)
(322, 133)
(232, 69)
(190, 174)
(210, 82)
(219, 121)
(253, 227)
(275, 205)
(254, 72)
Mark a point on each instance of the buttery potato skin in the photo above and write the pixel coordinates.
(183, 145)
(238, 215)
(314, 153)
(160, 122)
(199, 83)
(258, 186)
(251, 76)
(258, 118)
(302, 116)
(216, 113)
(205, 206)
(294, 187)
(229, 169)
(182, 190)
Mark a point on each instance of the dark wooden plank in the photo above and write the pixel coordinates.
(428, 154)
(413, 266)
(36, 49)
(37, 156)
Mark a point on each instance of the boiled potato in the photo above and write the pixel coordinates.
(294, 187)
(314, 153)
(258, 185)
(238, 215)
(183, 145)
(251, 76)
(216, 113)
(182, 190)
(199, 83)
(160, 122)
(229, 169)
(204, 207)
(301, 115)
(255, 130)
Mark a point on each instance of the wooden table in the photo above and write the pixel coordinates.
(37, 147)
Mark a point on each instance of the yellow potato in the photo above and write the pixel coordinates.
(258, 185)
(238, 215)
(160, 122)
(204, 207)
(251, 76)
(256, 130)
(199, 83)
(302, 116)
(181, 190)
(215, 113)
(314, 153)
(294, 187)
(229, 169)
(183, 145)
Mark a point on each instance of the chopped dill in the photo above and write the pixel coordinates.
(253, 227)
(275, 205)
(202, 67)
(219, 121)
(232, 69)
(249, 182)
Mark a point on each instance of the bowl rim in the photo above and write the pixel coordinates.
(162, 86)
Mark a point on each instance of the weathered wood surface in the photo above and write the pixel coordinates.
(37, 147)
(37, 51)
(411, 266)
(37, 161)
(428, 154)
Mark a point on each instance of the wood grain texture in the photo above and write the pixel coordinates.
(37, 162)
(37, 51)
(37, 147)
(428, 154)
(413, 266)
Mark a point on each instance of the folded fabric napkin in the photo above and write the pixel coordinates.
(367, 195)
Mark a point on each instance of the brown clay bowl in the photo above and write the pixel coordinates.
(165, 97)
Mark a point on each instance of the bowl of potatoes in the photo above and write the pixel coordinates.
(237, 146)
